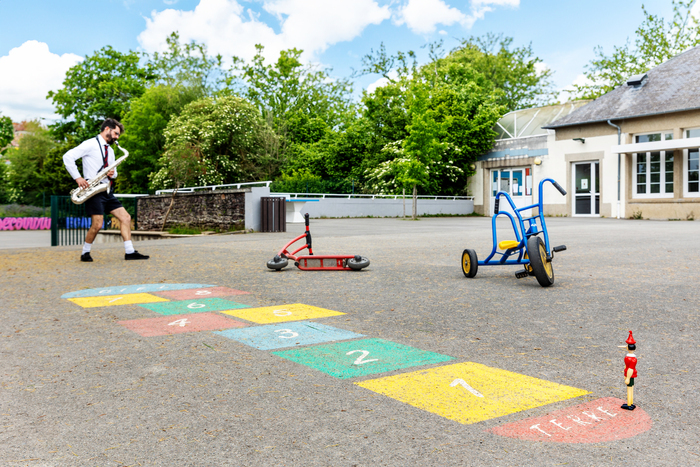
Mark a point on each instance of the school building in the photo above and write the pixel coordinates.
(632, 152)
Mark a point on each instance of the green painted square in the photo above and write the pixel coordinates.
(193, 306)
(361, 357)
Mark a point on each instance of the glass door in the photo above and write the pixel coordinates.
(586, 189)
(517, 182)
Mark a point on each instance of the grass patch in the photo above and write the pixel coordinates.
(20, 210)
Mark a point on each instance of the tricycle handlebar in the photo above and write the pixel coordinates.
(558, 187)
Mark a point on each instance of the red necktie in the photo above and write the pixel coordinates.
(106, 164)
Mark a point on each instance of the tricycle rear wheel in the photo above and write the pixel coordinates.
(470, 263)
(544, 273)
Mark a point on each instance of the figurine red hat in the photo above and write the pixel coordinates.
(630, 340)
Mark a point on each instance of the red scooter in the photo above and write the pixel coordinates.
(313, 262)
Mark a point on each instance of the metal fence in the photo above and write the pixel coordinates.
(69, 223)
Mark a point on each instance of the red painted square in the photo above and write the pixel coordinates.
(598, 421)
(205, 292)
(177, 324)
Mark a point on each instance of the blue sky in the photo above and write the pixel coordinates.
(40, 40)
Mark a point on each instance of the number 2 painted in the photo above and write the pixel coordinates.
(361, 359)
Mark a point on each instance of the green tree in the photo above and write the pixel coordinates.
(510, 73)
(188, 66)
(144, 127)
(294, 99)
(101, 86)
(7, 133)
(225, 135)
(24, 182)
(656, 41)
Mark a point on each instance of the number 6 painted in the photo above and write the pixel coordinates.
(361, 359)
(192, 306)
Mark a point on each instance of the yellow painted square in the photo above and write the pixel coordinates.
(281, 313)
(485, 393)
(111, 300)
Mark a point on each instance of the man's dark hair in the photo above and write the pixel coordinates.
(631, 347)
(112, 124)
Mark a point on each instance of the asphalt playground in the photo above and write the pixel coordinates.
(201, 356)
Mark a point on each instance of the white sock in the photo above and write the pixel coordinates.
(87, 247)
(128, 247)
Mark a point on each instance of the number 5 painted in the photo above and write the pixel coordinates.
(361, 359)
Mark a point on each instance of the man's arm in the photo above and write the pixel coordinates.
(69, 159)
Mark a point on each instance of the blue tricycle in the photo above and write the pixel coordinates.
(527, 250)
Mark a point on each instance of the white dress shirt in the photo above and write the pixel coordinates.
(91, 152)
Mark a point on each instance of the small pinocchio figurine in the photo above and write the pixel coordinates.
(630, 372)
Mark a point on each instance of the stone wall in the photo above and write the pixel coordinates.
(211, 210)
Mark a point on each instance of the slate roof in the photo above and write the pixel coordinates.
(673, 86)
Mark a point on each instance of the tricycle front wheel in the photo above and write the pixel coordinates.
(470, 263)
(538, 260)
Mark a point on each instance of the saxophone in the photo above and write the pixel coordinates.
(95, 185)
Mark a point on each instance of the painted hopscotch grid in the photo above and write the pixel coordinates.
(194, 306)
(282, 313)
(112, 300)
(363, 357)
(470, 392)
(279, 336)
(131, 289)
(190, 294)
(167, 325)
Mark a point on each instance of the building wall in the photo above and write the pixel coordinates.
(602, 137)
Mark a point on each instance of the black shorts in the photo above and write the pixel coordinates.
(101, 203)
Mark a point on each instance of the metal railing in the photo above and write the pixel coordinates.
(69, 223)
(378, 196)
(191, 189)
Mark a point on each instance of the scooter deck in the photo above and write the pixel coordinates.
(323, 263)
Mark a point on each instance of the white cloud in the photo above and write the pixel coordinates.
(27, 74)
(229, 29)
(423, 16)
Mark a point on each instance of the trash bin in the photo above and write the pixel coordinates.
(273, 214)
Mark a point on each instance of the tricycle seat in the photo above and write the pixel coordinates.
(508, 244)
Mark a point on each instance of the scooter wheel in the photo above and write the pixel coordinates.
(277, 263)
(358, 262)
(470, 263)
(538, 260)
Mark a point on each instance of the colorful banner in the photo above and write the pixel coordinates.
(25, 223)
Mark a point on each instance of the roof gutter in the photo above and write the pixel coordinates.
(625, 117)
(619, 141)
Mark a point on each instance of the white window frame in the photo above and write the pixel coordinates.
(662, 179)
(686, 157)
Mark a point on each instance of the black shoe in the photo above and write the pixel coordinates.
(85, 257)
(628, 407)
(135, 255)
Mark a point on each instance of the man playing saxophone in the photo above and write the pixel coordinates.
(96, 155)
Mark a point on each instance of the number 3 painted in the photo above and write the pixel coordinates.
(361, 359)
(287, 331)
